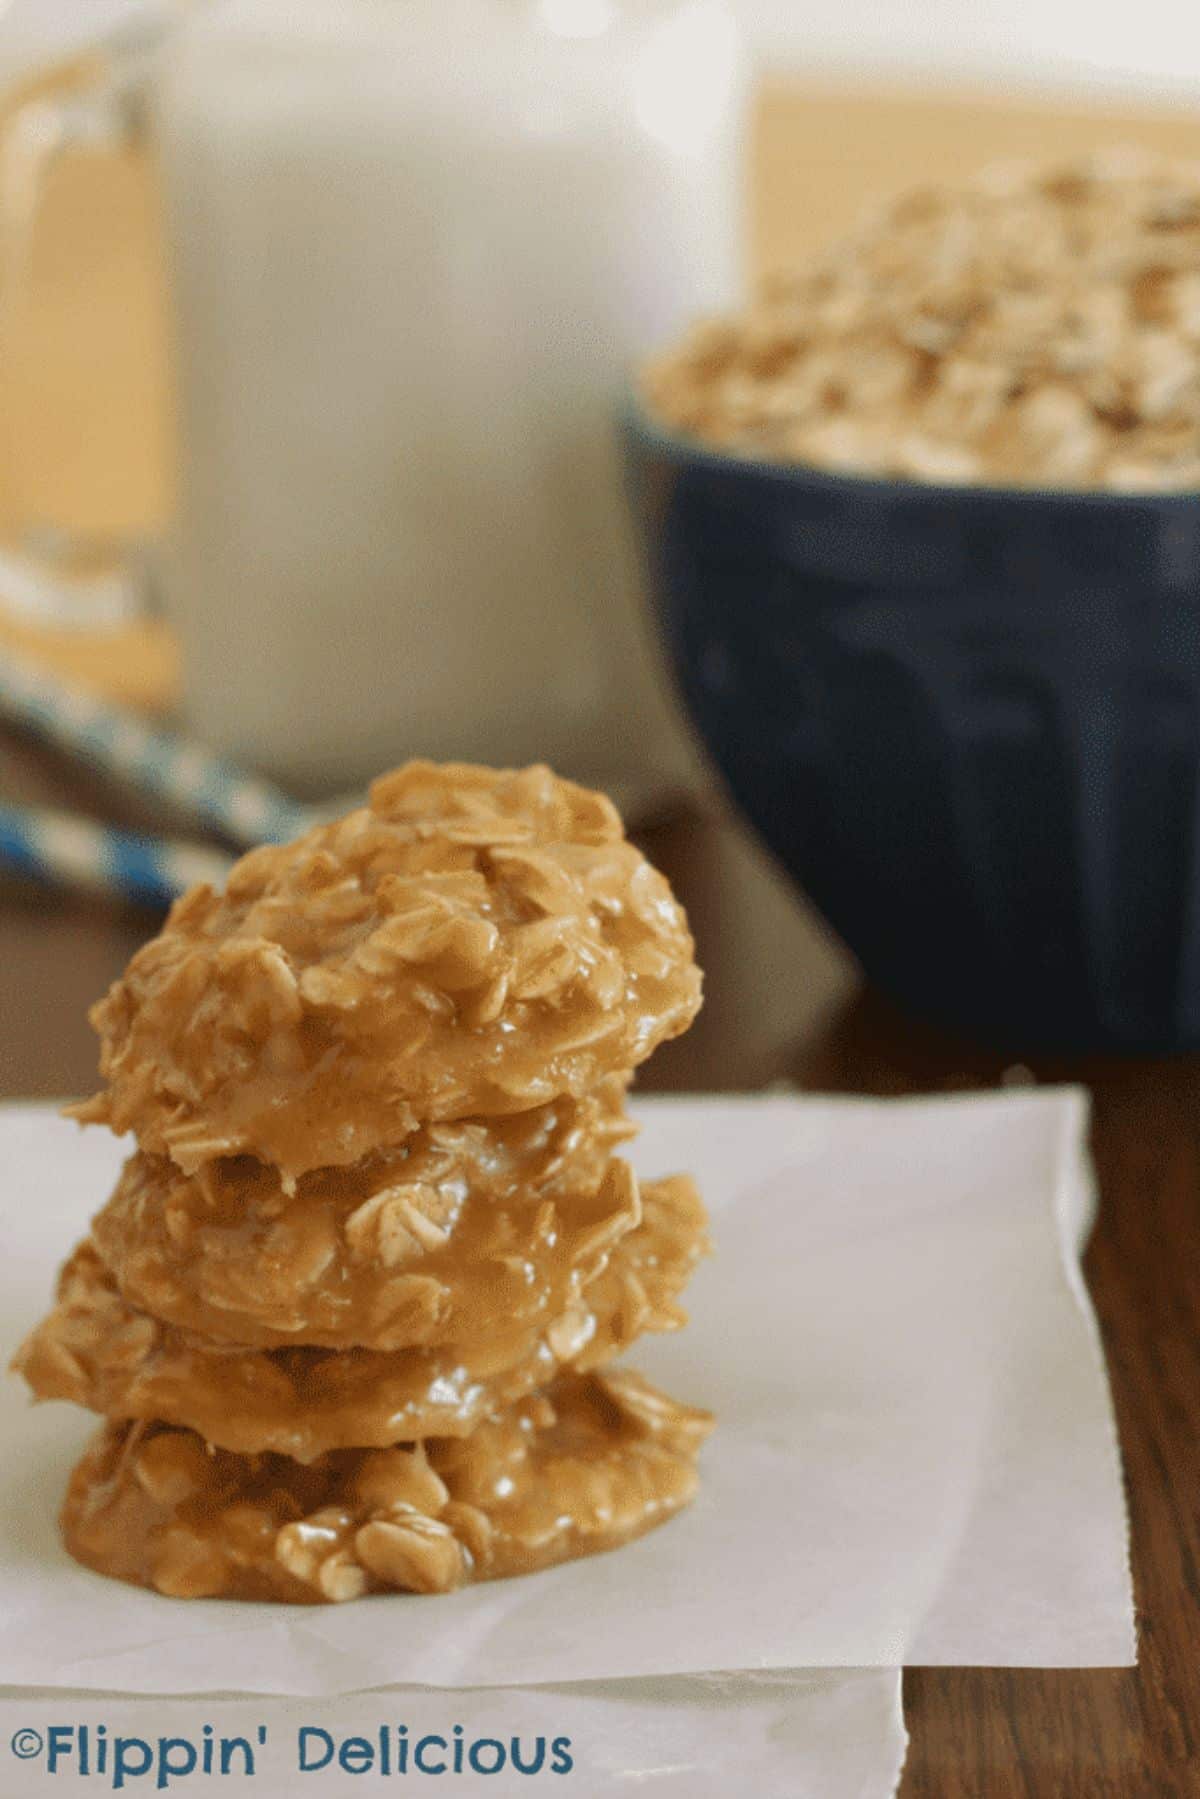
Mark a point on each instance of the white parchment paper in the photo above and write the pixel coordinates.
(818, 1735)
(915, 1458)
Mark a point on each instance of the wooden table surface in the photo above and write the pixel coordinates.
(82, 417)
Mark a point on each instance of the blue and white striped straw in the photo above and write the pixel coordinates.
(65, 850)
(240, 806)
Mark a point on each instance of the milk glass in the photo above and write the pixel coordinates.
(414, 247)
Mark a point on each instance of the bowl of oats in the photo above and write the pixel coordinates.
(923, 530)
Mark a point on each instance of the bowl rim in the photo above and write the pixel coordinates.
(636, 419)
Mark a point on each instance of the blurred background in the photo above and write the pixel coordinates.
(185, 215)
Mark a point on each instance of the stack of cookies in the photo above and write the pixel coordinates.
(350, 1312)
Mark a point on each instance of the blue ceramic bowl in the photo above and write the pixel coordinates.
(966, 720)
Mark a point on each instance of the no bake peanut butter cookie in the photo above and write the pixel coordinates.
(345, 1310)
(471, 943)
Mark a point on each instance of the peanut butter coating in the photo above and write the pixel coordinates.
(472, 943)
(589, 1465)
(96, 1350)
(344, 1312)
(467, 1222)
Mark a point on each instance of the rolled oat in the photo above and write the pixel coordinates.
(1036, 327)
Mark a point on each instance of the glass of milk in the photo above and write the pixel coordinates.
(414, 245)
